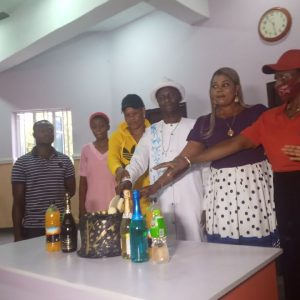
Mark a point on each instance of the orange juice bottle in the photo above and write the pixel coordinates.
(52, 228)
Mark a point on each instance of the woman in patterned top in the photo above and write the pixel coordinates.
(278, 130)
(239, 205)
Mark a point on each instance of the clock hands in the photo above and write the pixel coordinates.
(274, 28)
(272, 22)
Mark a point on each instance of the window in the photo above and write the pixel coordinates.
(23, 140)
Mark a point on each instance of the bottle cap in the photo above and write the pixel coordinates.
(52, 208)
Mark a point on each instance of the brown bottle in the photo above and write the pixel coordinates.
(68, 229)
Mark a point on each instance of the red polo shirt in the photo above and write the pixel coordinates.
(273, 129)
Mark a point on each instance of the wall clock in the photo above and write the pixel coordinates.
(274, 24)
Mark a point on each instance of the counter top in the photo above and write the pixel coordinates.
(201, 270)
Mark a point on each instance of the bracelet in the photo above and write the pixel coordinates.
(188, 161)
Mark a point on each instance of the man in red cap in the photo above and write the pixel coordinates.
(278, 130)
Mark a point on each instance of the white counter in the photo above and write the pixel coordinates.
(196, 270)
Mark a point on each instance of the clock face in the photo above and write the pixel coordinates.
(274, 24)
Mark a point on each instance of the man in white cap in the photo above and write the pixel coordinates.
(181, 201)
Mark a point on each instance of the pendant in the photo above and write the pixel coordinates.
(230, 132)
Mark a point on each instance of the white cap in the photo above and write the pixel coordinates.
(166, 82)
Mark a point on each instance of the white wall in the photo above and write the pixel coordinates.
(95, 71)
(75, 75)
(159, 45)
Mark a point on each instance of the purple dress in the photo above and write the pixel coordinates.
(239, 123)
(239, 200)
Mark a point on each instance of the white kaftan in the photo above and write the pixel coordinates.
(180, 201)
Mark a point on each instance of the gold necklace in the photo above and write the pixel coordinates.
(292, 112)
(230, 131)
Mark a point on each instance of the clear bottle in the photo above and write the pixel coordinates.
(125, 224)
(149, 217)
(52, 228)
(158, 232)
(138, 232)
(149, 212)
(68, 229)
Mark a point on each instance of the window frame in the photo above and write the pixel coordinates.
(19, 133)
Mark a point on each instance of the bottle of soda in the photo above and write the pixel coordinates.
(68, 229)
(138, 232)
(52, 228)
(158, 232)
(149, 212)
(149, 217)
(125, 224)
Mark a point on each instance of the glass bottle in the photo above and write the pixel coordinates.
(68, 229)
(149, 212)
(158, 232)
(125, 224)
(149, 217)
(52, 228)
(138, 232)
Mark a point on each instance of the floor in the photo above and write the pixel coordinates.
(280, 287)
(6, 236)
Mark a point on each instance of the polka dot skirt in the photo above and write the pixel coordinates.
(239, 202)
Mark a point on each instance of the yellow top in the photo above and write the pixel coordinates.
(120, 150)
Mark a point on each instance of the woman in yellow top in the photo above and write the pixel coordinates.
(123, 141)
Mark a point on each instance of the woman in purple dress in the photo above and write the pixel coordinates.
(239, 204)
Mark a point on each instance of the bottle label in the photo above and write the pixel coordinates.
(52, 230)
(52, 238)
(127, 238)
(67, 243)
(161, 232)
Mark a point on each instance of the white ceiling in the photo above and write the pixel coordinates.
(128, 15)
(122, 18)
(69, 18)
(8, 6)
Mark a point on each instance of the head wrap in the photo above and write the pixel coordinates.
(99, 115)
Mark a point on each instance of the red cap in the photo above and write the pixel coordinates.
(289, 60)
(100, 115)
